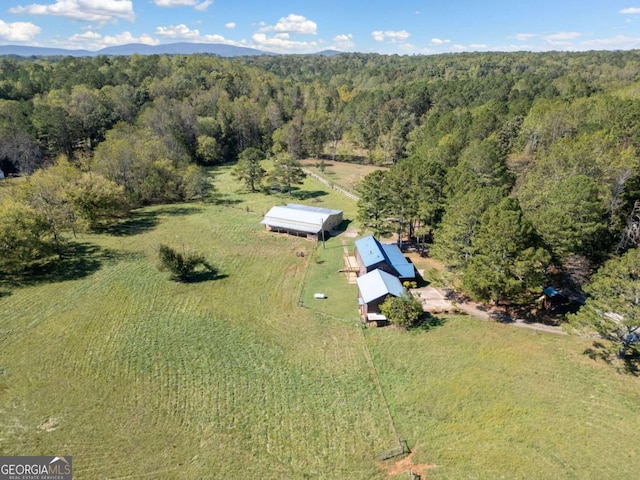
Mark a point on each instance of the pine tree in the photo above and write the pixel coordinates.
(506, 261)
(613, 308)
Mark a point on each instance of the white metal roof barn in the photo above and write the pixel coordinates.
(299, 219)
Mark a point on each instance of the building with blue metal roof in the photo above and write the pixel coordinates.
(374, 288)
(372, 255)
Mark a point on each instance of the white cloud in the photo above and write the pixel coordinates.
(523, 37)
(282, 45)
(392, 36)
(182, 32)
(619, 42)
(100, 11)
(438, 41)
(281, 41)
(562, 36)
(343, 42)
(200, 6)
(630, 11)
(561, 40)
(89, 35)
(178, 31)
(292, 23)
(514, 48)
(91, 40)
(18, 31)
(471, 47)
(230, 25)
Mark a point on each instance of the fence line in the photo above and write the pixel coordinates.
(402, 447)
(341, 190)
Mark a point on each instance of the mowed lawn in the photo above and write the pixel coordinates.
(140, 377)
(249, 376)
(481, 400)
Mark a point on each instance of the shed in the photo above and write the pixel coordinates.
(371, 255)
(373, 289)
(297, 219)
(561, 301)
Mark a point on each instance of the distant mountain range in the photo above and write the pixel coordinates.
(183, 48)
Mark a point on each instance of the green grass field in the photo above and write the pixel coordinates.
(485, 400)
(344, 174)
(140, 377)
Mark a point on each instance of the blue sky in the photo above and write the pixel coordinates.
(303, 26)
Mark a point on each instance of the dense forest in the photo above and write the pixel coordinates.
(521, 168)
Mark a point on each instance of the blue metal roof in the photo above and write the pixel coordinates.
(398, 261)
(377, 284)
(370, 250)
(373, 252)
(550, 292)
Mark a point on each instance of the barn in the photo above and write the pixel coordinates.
(371, 255)
(373, 289)
(302, 220)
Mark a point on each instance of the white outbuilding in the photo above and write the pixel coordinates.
(303, 220)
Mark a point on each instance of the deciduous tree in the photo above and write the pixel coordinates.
(183, 266)
(24, 236)
(403, 311)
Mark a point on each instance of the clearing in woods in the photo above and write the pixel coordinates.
(344, 174)
(140, 377)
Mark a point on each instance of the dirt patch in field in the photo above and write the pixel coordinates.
(49, 425)
(405, 465)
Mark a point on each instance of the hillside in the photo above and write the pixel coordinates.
(182, 48)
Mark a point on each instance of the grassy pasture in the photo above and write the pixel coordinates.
(344, 174)
(484, 400)
(140, 377)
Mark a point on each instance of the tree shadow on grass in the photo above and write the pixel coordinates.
(228, 201)
(307, 194)
(628, 364)
(141, 221)
(204, 276)
(342, 227)
(177, 211)
(429, 322)
(77, 260)
(136, 223)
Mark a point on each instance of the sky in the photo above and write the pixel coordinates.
(404, 27)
